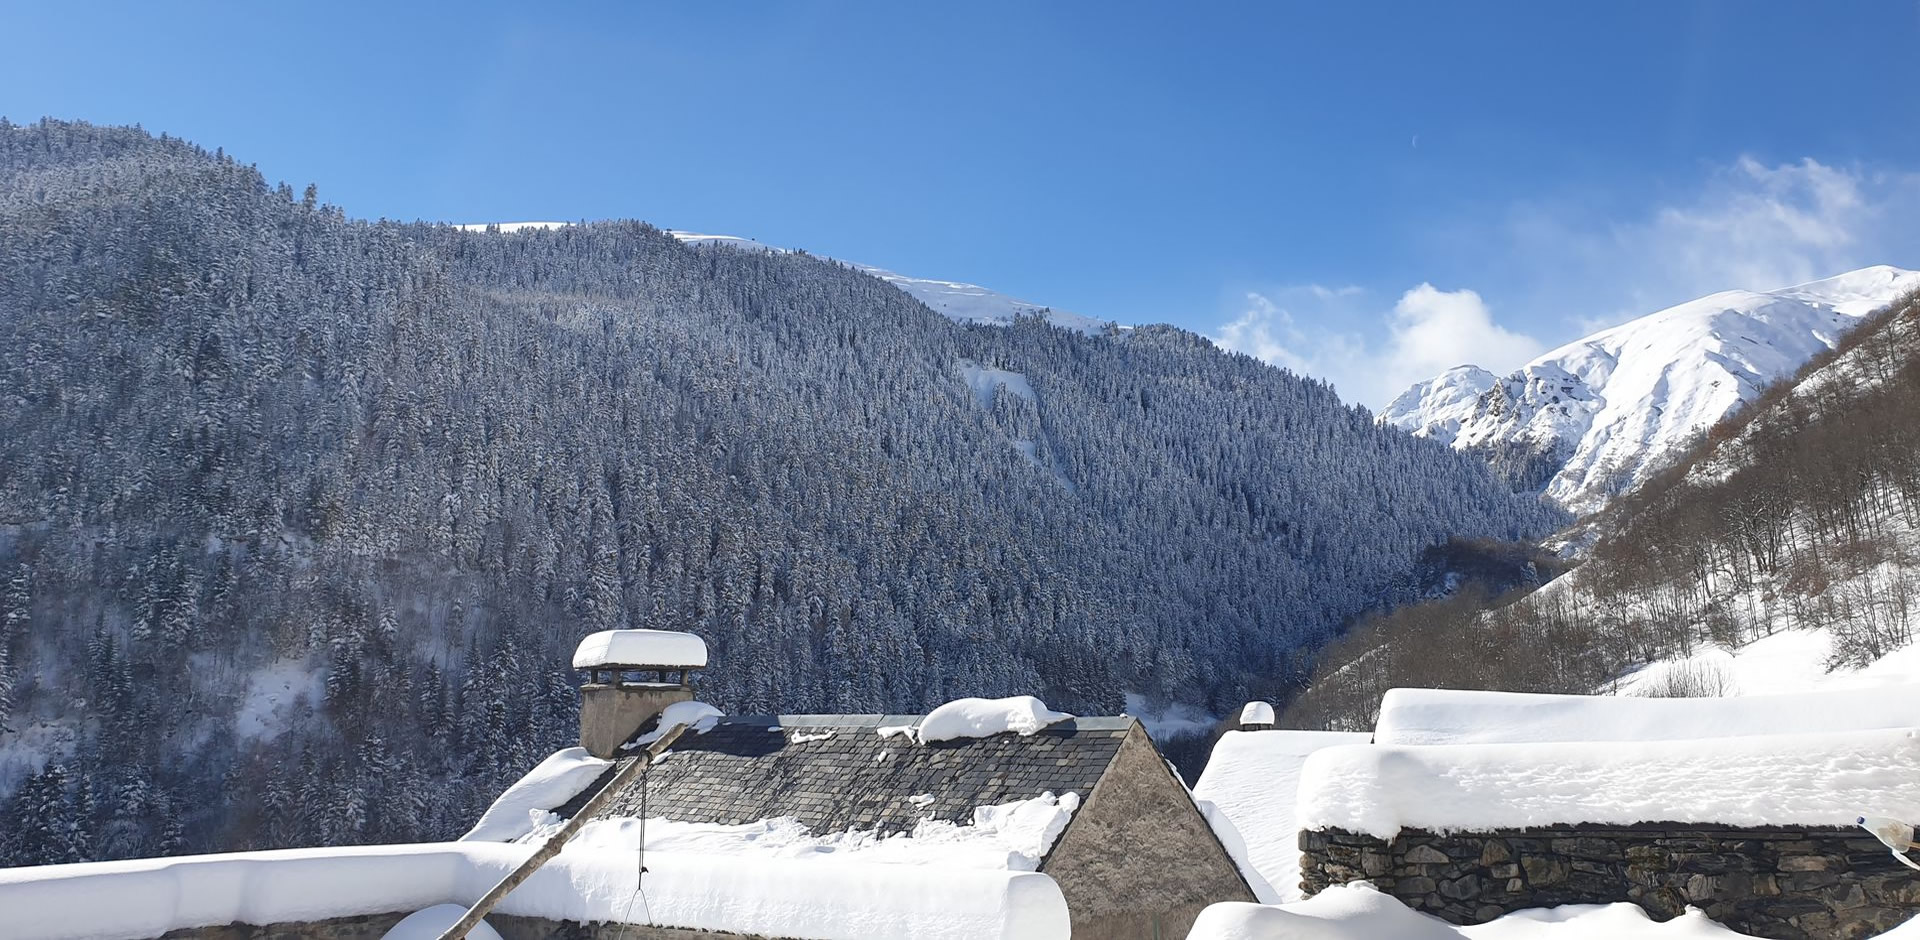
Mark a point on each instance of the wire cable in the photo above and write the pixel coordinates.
(640, 866)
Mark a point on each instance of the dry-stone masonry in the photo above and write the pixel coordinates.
(1786, 884)
(374, 926)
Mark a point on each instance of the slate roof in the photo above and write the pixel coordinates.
(835, 772)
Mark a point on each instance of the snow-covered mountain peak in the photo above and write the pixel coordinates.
(1437, 407)
(1608, 409)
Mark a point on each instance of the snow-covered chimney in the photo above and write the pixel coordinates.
(1256, 716)
(632, 675)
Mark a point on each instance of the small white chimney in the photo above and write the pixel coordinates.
(632, 675)
(1256, 716)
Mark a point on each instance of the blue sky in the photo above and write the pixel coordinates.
(1282, 176)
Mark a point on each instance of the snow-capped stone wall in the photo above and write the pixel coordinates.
(1760, 881)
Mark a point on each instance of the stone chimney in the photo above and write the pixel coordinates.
(632, 675)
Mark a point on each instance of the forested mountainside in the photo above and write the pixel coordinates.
(1601, 415)
(300, 516)
(1802, 511)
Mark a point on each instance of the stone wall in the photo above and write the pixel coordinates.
(1785, 884)
(374, 926)
(1138, 861)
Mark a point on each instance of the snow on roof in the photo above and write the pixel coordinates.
(1016, 836)
(1784, 780)
(1447, 716)
(984, 717)
(758, 896)
(1360, 912)
(831, 773)
(559, 778)
(1251, 779)
(669, 648)
(1256, 713)
(697, 717)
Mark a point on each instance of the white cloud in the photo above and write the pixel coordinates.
(1564, 272)
(1427, 331)
(1749, 225)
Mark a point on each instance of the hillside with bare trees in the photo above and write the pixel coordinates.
(1800, 512)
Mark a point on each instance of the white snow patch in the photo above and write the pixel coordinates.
(1787, 661)
(726, 241)
(434, 921)
(1452, 716)
(559, 778)
(983, 718)
(277, 695)
(1252, 779)
(670, 648)
(1825, 779)
(1598, 922)
(971, 303)
(985, 381)
(959, 302)
(808, 737)
(697, 717)
(742, 895)
(1360, 912)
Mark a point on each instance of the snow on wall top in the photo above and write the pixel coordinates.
(114, 900)
(1773, 780)
(1612, 406)
(983, 718)
(1449, 716)
(757, 896)
(1252, 778)
(669, 648)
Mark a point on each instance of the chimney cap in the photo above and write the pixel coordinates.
(640, 649)
(1256, 713)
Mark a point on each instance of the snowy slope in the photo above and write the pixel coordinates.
(956, 300)
(960, 302)
(1617, 403)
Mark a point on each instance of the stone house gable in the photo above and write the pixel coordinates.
(1137, 860)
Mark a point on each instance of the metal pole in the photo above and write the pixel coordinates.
(484, 906)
